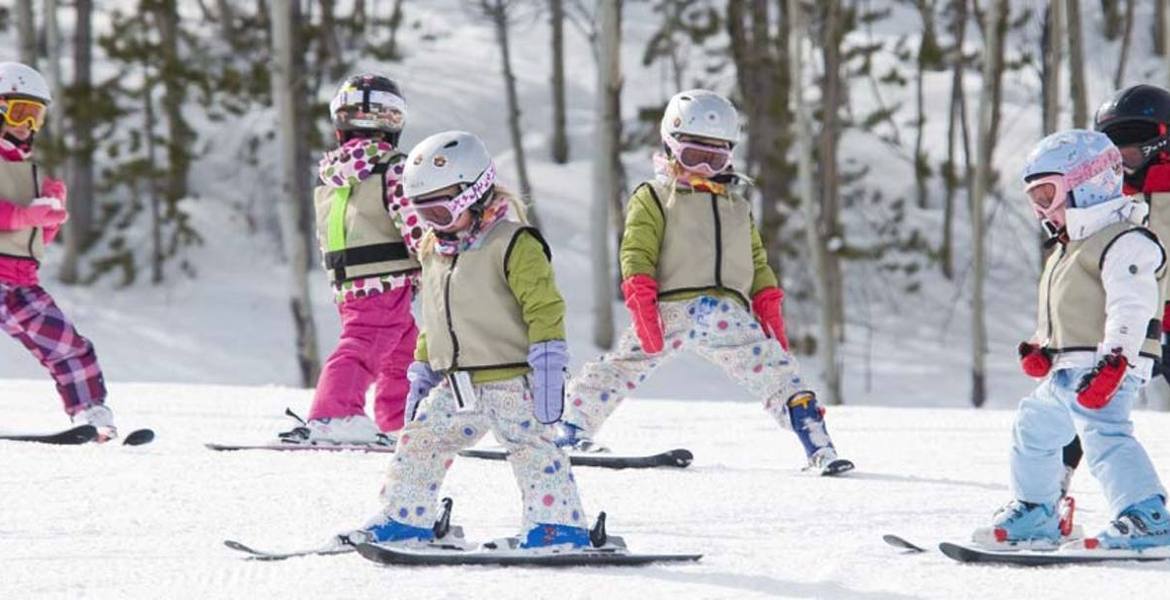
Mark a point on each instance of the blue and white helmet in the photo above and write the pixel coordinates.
(1087, 161)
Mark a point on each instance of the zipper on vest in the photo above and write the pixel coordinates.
(1048, 295)
(447, 306)
(718, 242)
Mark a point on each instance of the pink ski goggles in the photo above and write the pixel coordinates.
(702, 159)
(1048, 207)
(441, 212)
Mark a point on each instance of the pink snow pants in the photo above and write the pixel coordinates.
(376, 347)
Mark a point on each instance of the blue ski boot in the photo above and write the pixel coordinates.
(1022, 523)
(808, 421)
(551, 534)
(1142, 525)
(571, 438)
(384, 529)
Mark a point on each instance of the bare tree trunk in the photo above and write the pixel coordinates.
(1160, 26)
(26, 32)
(81, 171)
(156, 249)
(497, 10)
(395, 22)
(605, 179)
(286, 94)
(833, 309)
(992, 71)
(330, 46)
(179, 134)
(1050, 43)
(928, 58)
(1076, 60)
(1126, 36)
(763, 80)
(1165, 21)
(560, 139)
(54, 134)
(1112, 17)
(826, 346)
(954, 121)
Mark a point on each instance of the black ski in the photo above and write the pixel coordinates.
(139, 437)
(902, 543)
(678, 458)
(1041, 558)
(325, 550)
(70, 437)
(387, 555)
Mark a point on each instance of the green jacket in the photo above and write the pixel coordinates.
(642, 243)
(533, 283)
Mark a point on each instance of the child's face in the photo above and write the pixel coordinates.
(21, 118)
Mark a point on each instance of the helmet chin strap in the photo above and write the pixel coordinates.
(11, 142)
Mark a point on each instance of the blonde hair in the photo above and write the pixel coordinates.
(426, 246)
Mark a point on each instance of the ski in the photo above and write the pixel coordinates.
(679, 458)
(335, 547)
(836, 467)
(902, 544)
(390, 555)
(281, 447)
(1041, 558)
(81, 434)
(139, 437)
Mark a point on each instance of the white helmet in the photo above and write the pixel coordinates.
(701, 113)
(450, 158)
(22, 81)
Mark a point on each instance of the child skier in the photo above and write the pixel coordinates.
(32, 210)
(695, 277)
(1094, 347)
(491, 356)
(368, 240)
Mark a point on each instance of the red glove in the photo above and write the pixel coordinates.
(641, 292)
(766, 306)
(1166, 318)
(1098, 387)
(1034, 360)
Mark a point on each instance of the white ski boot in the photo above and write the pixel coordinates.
(102, 419)
(357, 430)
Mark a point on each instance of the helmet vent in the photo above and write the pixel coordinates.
(451, 144)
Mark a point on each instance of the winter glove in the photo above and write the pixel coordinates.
(1166, 318)
(54, 188)
(548, 361)
(766, 306)
(42, 212)
(641, 292)
(422, 379)
(1035, 360)
(1099, 385)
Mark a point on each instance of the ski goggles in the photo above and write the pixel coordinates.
(441, 212)
(699, 158)
(359, 109)
(1048, 202)
(24, 113)
(1136, 156)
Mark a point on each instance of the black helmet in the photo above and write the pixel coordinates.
(368, 104)
(1137, 119)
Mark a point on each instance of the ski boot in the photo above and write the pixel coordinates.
(383, 529)
(102, 419)
(571, 438)
(1142, 525)
(1022, 524)
(356, 429)
(808, 421)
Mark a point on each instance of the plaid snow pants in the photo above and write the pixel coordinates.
(30, 315)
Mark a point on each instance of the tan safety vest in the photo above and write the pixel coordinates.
(358, 239)
(706, 243)
(1159, 223)
(1072, 298)
(19, 185)
(471, 318)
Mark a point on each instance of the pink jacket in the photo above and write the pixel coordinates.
(18, 271)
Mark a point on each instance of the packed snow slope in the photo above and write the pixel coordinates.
(115, 522)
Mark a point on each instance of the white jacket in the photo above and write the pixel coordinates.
(1129, 275)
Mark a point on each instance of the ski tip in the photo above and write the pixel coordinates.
(682, 457)
(139, 437)
(902, 544)
(953, 551)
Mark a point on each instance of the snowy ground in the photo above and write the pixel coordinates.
(90, 522)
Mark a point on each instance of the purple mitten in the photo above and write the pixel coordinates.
(548, 361)
(422, 378)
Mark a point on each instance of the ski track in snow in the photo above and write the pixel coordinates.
(115, 522)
